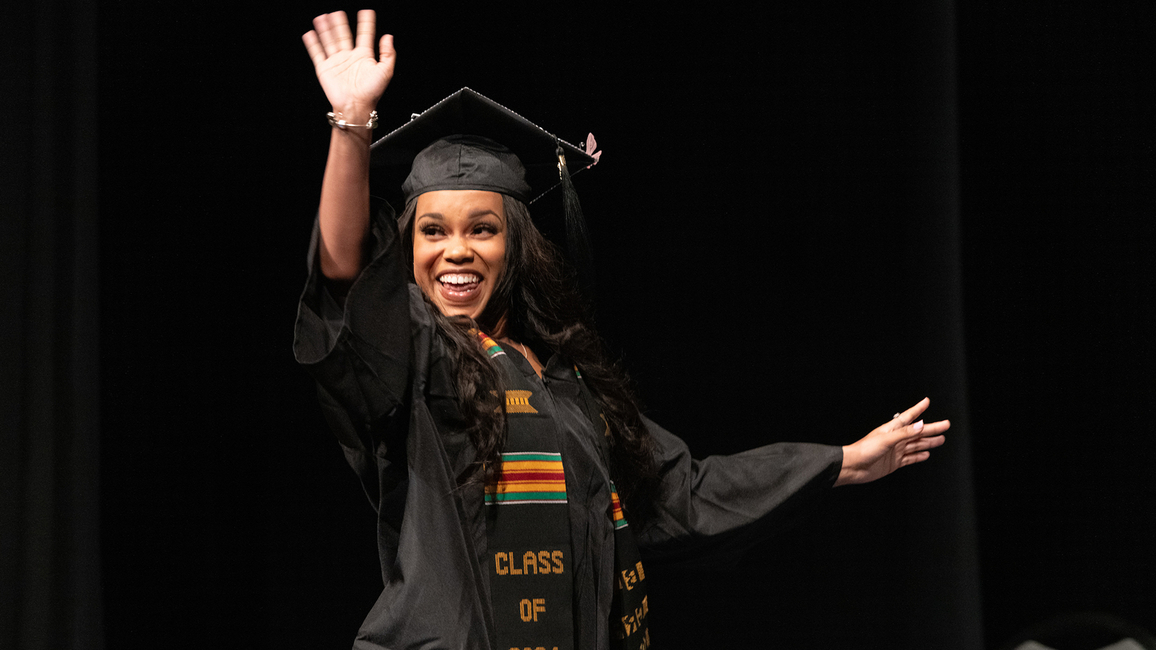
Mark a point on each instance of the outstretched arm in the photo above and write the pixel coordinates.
(353, 80)
(902, 441)
(737, 499)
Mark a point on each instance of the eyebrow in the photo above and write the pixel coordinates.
(482, 213)
(437, 216)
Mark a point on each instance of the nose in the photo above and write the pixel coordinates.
(459, 252)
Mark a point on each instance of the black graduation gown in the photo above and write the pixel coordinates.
(386, 390)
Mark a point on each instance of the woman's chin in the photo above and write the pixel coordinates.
(452, 309)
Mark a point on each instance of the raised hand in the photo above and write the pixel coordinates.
(351, 76)
(900, 442)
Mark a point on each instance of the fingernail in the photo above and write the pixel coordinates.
(918, 426)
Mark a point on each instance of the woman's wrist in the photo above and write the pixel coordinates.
(339, 121)
(354, 127)
(355, 112)
(847, 470)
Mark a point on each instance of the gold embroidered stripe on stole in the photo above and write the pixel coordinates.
(518, 401)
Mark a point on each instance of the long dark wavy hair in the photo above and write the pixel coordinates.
(543, 311)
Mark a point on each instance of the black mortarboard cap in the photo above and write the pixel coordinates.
(469, 113)
(466, 162)
(468, 141)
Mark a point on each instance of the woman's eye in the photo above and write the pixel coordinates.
(485, 228)
(431, 231)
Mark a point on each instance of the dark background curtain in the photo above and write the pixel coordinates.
(1057, 166)
(50, 591)
(806, 218)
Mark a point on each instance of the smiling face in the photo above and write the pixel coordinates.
(459, 249)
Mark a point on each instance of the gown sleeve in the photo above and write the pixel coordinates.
(727, 503)
(359, 351)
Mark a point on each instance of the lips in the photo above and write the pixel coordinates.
(459, 286)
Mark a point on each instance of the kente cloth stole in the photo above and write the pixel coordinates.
(628, 609)
(528, 525)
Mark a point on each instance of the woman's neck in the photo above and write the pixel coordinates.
(523, 349)
(499, 331)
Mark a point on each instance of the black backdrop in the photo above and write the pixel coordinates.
(806, 218)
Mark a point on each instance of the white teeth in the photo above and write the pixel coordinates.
(459, 278)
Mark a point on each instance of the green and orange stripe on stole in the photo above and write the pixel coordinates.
(488, 344)
(616, 508)
(528, 477)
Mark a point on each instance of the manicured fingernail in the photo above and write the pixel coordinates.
(918, 426)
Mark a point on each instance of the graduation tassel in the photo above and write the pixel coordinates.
(577, 240)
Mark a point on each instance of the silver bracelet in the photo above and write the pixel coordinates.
(338, 120)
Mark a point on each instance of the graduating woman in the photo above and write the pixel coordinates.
(516, 484)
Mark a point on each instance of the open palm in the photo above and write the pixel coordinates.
(351, 76)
